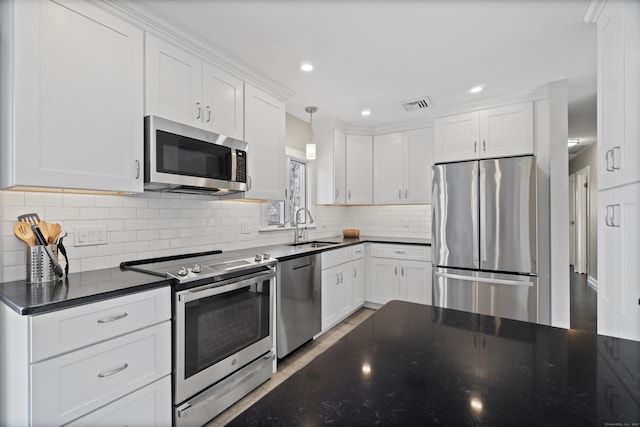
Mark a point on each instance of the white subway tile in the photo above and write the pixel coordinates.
(12, 198)
(109, 201)
(42, 199)
(95, 213)
(79, 200)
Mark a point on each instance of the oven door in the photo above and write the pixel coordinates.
(220, 328)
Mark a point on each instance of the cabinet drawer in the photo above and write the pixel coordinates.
(72, 385)
(65, 330)
(408, 252)
(149, 406)
(357, 252)
(335, 256)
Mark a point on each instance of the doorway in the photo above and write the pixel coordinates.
(583, 301)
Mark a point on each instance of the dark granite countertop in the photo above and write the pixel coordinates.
(412, 364)
(76, 289)
(92, 286)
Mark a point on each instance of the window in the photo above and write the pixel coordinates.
(281, 213)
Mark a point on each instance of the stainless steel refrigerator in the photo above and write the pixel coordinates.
(484, 223)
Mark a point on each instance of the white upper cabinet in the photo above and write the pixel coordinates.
(417, 153)
(402, 167)
(494, 132)
(359, 169)
(187, 89)
(331, 167)
(265, 136)
(387, 168)
(618, 93)
(74, 117)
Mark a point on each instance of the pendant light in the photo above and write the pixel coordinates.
(311, 147)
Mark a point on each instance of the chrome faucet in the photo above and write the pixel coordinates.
(297, 236)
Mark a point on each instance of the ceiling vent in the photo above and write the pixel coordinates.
(418, 104)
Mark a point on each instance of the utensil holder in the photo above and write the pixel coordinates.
(39, 266)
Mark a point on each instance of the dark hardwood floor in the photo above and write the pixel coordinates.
(584, 303)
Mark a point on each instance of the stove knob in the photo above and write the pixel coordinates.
(195, 268)
(266, 256)
(182, 272)
(258, 258)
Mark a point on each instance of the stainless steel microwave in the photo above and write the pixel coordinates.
(186, 159)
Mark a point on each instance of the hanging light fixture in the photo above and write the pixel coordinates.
(311, 147)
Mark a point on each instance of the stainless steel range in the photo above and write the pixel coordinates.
(223, 329)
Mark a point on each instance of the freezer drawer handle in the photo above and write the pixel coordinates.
(483, 279)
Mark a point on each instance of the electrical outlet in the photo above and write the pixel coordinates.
(245, 228)
(89, 236)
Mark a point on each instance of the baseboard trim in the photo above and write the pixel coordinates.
(593, 283)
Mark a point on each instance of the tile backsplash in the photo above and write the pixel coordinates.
(158, 224)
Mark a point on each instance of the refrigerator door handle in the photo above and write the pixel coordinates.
(483, 279)
(474, 209)
(483, 215)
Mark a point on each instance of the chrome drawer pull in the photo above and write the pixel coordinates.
(113, 318)
(115, 371)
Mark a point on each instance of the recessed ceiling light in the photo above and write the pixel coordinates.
(573, 141)
(306, 66)
(366, 112)
(477, 89)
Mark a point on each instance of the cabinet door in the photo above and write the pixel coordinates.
(417, 162)
(629, 289)
(415, 277)
(339, 168)
(357, 283)
(222, 100)
(173, 82)
(336, 294)
(456, 137)
(387, 169)
(384, 280)
(264, 134)
(78, 98)
(359, 169)
(506, 131)
(608, 264)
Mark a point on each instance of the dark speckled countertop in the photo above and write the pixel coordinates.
(92, 286)
(412, 364)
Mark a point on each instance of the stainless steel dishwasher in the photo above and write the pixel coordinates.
(298, 302)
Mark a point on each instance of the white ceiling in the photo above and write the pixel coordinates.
(378, 54)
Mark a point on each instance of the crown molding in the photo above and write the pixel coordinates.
(149, 21)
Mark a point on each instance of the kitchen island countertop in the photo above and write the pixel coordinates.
(412, 364)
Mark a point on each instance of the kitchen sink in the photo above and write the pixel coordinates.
(314, 244)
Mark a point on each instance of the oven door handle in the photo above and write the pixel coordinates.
(223, 287)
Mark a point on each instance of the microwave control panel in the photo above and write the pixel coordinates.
(241, 166)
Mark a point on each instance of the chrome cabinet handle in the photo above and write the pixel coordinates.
(337, 193)
(615, 208)
(606, 160)
(337, 278)
(406, 193)
(115, 371)
(137, 169)
(208, 108)
(113, 318)
(607, 219)
(613, 158)
(355, 272)
(484, 146)
(349, 194)
(402, 271)
(400, 194)
(475, 147)
(199, 109)
(396, 271)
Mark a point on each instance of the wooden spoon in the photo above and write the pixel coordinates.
(54, 231)
(23, 231)
(44, 228)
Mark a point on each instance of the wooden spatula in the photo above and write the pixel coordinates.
(23, 231)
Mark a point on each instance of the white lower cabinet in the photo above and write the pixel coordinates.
(104, 363)
(400, 272)
(343, 283)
